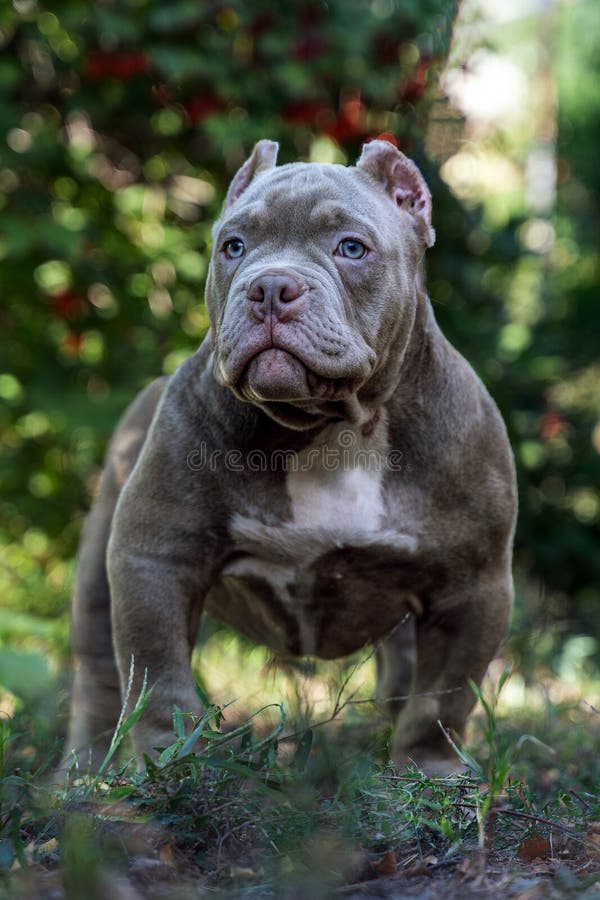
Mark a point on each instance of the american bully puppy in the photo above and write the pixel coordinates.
(325, 464)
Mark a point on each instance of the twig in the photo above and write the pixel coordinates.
(382, 700)
(338, 708)
(466, 782)
(228, 834)
(530, 817)
(582, 800)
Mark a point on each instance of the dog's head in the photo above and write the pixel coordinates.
(314, 281)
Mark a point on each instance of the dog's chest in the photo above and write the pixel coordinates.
(341, 498)
(316, 581)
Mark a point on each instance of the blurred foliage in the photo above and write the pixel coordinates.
(120, 126)
(552, 395)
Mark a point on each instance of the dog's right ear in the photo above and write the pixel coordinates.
(402, 181)
(262, 158)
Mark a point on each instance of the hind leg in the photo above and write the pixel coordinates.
(96, 697)
(456, 640)
(396, 658)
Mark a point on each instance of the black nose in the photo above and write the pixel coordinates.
(275, 290)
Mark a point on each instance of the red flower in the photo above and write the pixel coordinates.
(72, 342)
(309, 46)
(550, 425)
(116, 65)
(386, 136)
(413, 88)
(308, 112)
(67, 304)
(204, 105)
(350, 123)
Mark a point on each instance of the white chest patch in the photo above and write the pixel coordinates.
(337, 484)
(341, 500)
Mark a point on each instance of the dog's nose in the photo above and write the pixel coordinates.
(277, 293)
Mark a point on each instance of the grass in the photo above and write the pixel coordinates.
(295, 797)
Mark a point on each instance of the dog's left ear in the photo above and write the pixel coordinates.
(402, 181)
(262, 158)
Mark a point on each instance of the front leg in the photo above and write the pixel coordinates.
(457, 637)
(165, 549)
(156, 605)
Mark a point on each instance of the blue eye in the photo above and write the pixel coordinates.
(234, 248)
(351, 249)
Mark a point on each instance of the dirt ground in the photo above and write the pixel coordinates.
(505, 877)
(501, 875)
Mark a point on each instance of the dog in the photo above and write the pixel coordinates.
(326, 472)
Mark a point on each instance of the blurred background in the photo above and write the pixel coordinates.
(120, 126)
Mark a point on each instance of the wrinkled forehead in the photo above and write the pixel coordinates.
(310, 195)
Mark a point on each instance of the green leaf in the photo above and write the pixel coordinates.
(168, 753)
(178, 723)
(303, 750)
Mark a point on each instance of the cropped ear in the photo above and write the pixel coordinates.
(403, 182)
(262, 158)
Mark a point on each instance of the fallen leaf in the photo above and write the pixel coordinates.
(385, 865)
(417, 870)
(50, 846)
(245, 873)
(543, 866)
(592, 843)
(166, 855)
(465, 868)
(532, 847)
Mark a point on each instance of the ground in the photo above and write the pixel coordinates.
(296, 799)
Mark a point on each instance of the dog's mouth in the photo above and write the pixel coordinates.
(287, 367)
(275, 374)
